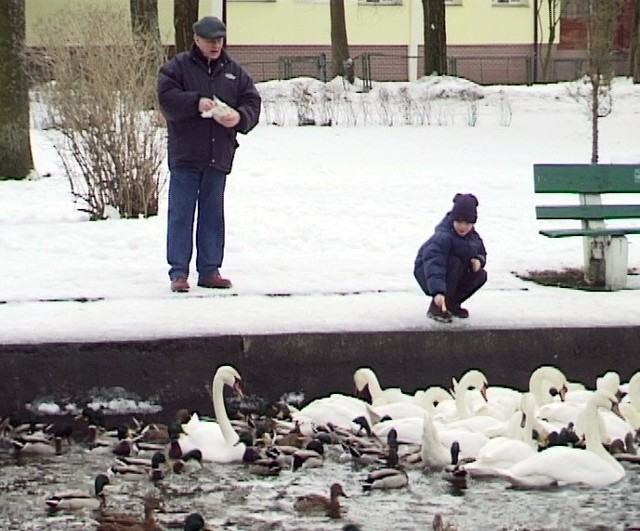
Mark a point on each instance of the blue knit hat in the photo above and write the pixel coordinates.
(464, 208)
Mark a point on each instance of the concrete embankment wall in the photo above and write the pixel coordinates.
(177, 373)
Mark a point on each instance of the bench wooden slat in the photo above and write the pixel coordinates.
(610, 231)
(586, 178)
(588, 212)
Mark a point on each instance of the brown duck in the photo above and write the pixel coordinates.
(314, 503)
(125, 522)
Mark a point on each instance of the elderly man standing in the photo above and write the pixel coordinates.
(206, 98)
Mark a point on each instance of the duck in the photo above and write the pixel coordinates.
(391, 476)
(76, 500)
(454, 472)
(385, 479)
(195, 522)
(561, 465)
(314, 503)
(125, 522)
(217, 440)
(137, 468)
(186, 463)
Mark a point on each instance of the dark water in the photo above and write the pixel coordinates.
(230, 497)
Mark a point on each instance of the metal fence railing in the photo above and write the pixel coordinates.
(484, 70)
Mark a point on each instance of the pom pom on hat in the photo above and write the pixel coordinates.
(465, 208)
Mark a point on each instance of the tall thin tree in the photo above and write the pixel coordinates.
(144, 18)
(16, 161)
(634, 44)
(435, 37)
(603, 15)
(185, 14)
(341, 62)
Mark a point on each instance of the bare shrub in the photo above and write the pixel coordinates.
(101, 98)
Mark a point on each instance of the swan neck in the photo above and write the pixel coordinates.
(374, 388)
(217, 391)
(592, 436)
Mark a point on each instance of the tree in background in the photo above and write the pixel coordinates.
(601, 24)
(16, 161)
(435, 37)
(634, 47)
(185, 15)
(144, 18)
(341, 62)
(145, 29)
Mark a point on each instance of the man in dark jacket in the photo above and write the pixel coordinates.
(450, 264)
(206, 98)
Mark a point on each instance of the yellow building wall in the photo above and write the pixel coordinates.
(479, 22)
(291, 22)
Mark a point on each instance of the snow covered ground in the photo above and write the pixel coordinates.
(323, 223)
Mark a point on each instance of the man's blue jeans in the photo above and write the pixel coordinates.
(188, 188)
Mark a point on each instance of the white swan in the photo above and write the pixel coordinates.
(562, 465)
(365, 377)
(434, 454)
(218, 441)
(630, 407)
(503, 452)
(547, 382)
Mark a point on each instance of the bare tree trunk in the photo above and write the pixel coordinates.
(595, 99)
(185, 15)
(146, 32)
(435, 37)
(553, 11)
(15, 145)
(144, 18)
(340, 64)
(634, 51)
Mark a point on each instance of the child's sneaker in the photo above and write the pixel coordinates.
(437, 314)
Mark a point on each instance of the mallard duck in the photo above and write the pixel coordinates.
(312, 456)
(125, 522)
(195, 522)
(138, 468)
(265, 466)
(391, 476)
(454, 472)
(75, 500)
(385, 478)
(182, 464)
(313, 503)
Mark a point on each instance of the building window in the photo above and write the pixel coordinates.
(510, 3)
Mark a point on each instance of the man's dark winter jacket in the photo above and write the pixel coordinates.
(434, 254)
(196, 142)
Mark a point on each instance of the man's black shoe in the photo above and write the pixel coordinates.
(437, 314)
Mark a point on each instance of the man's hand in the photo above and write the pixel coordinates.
(206, 105)
(440, 302)
(230, 119)
(476, 265)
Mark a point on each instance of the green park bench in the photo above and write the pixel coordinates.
(605, 246)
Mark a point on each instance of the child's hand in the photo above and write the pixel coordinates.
(440, 302)
(476, 265)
